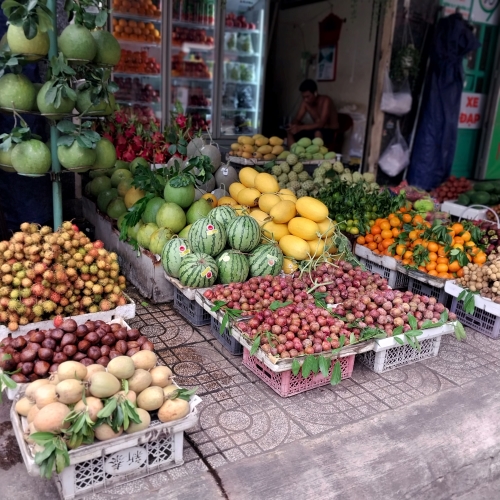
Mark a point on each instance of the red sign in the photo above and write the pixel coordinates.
(471, 110)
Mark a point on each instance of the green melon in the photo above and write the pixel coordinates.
(243, 233)
(198, 270)
(122, 164)
(182, 196)
(172, 216)
(105, 198)
(106, 154)
(76, 42)
(266, 259)
(223, 214)
(233, 267)
(116, 208)
(99, 184)
(108, 48)
(31, 157)
(152, 207)
(144, 234)
(19, 44)
(207, 236)
(17, 91)
(76, 157)
(173, 253)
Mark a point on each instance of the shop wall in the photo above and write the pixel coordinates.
(297, 32)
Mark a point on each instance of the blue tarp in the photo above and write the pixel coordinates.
(436, 137)
(25, 199)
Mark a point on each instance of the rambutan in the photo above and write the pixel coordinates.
(79, 264)
(18, 237)
(97, 289)
(121, 279)
(5, 291)
(4, 302)
(61, 288)
(25, 227)
(25, 293)
(55, 297)
(13, 305)
(61, 277)
(89, 284)
(64, 301)
(93, 269)
(49, 276)
(13, 326)
(94, 278)
(16, 282)
(49, 306)
(30, 274)
(69, 309)
(98, 244)
(26, 283)
(79, 284)
(28, 240)
(38, 310)
(88, 259)
(113, 297)
(46, 293)
(105, 305)
(123, 286)
(23, 321)
(93, 309)
(85, 269)
(59, 310)
(6, 269)
(71, 264)
(17, 267)
(97, 298)
(87, 292)
(8, 254)
(87, 301)
(103, 282)
(4, 317)
(102, 275)
(108, 288)
(29, 301)
(68, 245)
(117, 290)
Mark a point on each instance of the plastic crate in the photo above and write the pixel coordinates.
(480, 320)
(421, 288)
(287, 384)
(225, 338)
(394, 357)
(190, 310)
(395, 279)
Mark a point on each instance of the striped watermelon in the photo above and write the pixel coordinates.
(198, 270)
(223, 214)
(207, 236)
(243, 233)
(266, 259)
(173, 253)
(233, 267)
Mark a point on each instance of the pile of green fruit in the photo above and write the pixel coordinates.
(483, 193)
(307, 149)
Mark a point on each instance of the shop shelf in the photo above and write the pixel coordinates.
(190, 310)
(287, 384)
(136, 17)
(225, 338)
(138, 75)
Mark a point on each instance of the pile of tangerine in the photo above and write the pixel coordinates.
(137, 7)
(135, 31)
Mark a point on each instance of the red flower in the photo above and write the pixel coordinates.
(181, 121)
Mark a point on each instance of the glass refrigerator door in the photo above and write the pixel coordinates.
(192, 59)
(243, 67)
(137, 25)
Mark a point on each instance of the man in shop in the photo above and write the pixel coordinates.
(323, 119)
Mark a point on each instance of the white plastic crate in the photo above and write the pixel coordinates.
(395, 279)
(103, 465)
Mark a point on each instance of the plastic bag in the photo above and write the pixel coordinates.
(396, 156)
(395, 103)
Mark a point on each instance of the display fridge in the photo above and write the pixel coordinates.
(206, 55)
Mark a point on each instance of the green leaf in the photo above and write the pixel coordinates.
(352, 339)
(444, 316)
(398, 340)
(224, 322)
(65, 140)
(307, 366)
(45, 454)
(295, 366)
(255, 345)
(108, 409)
(427, 324)
(101, 18)
(412, 321)
(324, 365)
(460, 331)
(30, 28)
(397, 331)
(218, 304)
(336, 373)
(65, 126)
(278, 304)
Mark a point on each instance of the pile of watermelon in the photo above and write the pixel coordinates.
(224, 247)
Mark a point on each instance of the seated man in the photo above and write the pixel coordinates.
(322, 112)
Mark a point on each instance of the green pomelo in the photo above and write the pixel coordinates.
(66, 106)
(105, 198)
(99, 184)
(19, 44)
(138, 161)
(116, 208)
(184, 233)
(132, 231)
(161, 180)
(17, 91)
(124, 186)
(172, 216)
(108, 48)
(120, 175)
(37, 86)
(106, 154)
(84, 104)
(198, 210)
(6, 156)
(144, 234)
(96, 173)
(182, 196)
(152, 207)
(76, 42)
(119, 222)
(122, 164)
(75, 156)
(158, 240)
(31, 157)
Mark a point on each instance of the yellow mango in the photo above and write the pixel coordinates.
(266, 183)
(246, 155)
(248, 197)
(211, 199)
(311, 208)
(256, 136)
(283, 212)
(269, 157)
(267, 201)
(295, 247)
(277, 150)
(274, 231)
(258, 155)
(235, 146)
(264, 149)
(247, 176)
(235, 188)
(248, 148)
(275, 141)
(285, 191)
(303, 228)
(261, 141)
(243, 139)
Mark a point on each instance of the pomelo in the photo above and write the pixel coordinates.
(96, 173)
(172, 216)
(84, 104)
(138, 161)
(198, 210)
(159, 238)
(76, 157)
(182, 196)
(65, 108)
(184, 233)
(124, 186)
(119, 221)
(5, 156)
(108, 48)
(19, 44)
(105, 198)
(116, 208)
(31, 157)
(133, 195)
(106, 154)
(132, 231)
(120, 175)
(152, 208)
(76, 42)
(17, 91)
(144, 234)
(37, 86)
(99, 184)
(122, 164)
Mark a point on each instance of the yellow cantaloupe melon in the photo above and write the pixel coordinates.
(274, 231)
(248, 197)
(283, 212)
(311, 208)
(303, 228)
(266, 183)
(247, 176)
(294, 247)
(267, 201)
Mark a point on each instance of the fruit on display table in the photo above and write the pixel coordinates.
(483, 279)
(46, 273)
(137, 62)
(139, 7)
(182, 35)
(79, 405)
(451, 189)
(135, 31)
(483, 193)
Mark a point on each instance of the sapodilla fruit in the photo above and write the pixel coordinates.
(23, 406)
(93, 407)
(173, 409)
(104, 432)
(104, 385)
(31, 389)
(140, 380)
(93, 369)
(71, 369)
(145, 419)
(32, 413)
(151, 398)
(45, 395)
(161, 375)
(69, 391)
(144, 359)
(122, 367)
(130, 395)
(170, 391)
(51, 418)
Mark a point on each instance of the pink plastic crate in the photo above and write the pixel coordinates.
(286, 383)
